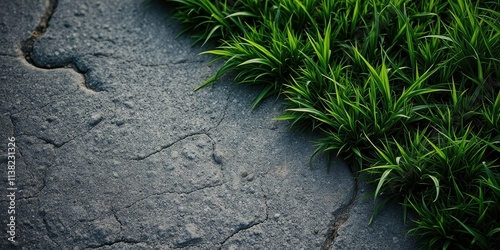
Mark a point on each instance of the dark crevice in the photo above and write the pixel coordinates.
(43, 105)
(30, 176)
(252, 224)
(143, 157)
(11, 122)
(112, 243)
(38, 192)
(27, 46)
(241, 229)
(224, 114)
(119, 222)
(184, 61)
(339, 219)
(51, 142)
(266, 200)
(115, 211)
(218, 184)
(215, 158)
(190, 246)
(50, 234)
(165, 193)
(45, 171)
(168, 65)
(99, 216)
(93, 123)
(121, 238)
(56, 145)
(7, 55)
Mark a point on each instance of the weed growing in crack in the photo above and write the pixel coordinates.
(406, 91)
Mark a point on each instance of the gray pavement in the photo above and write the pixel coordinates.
(114, 150)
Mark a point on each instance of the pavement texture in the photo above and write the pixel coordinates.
(114, 150)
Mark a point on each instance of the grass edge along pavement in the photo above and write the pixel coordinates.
(407, 92)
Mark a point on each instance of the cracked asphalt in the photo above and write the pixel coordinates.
(114, 150)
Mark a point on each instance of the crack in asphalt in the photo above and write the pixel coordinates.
(7, 55)
(215, 157)
(44, 179)
(31, 109)
(49, 232)
(11, 123)
(168, 65)
(113, 243)
(224, 114)
(340, 216)
(27, 46)
(239, 230)
(219, 184)
(117, 217)
(61, 144)
(55, 242)
(31, 176)
(119, 222)
(169, 192)
(143, 157)
(217, 161)
(120, 237)
(43, 105)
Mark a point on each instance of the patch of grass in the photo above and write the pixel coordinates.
(265, 55)
(406, 91)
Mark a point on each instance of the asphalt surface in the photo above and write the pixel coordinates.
(110, 148)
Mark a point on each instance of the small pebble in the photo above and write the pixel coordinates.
(250, 177)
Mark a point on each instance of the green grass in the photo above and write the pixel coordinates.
(407, 92)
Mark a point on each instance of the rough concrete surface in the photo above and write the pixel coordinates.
(114, 150)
